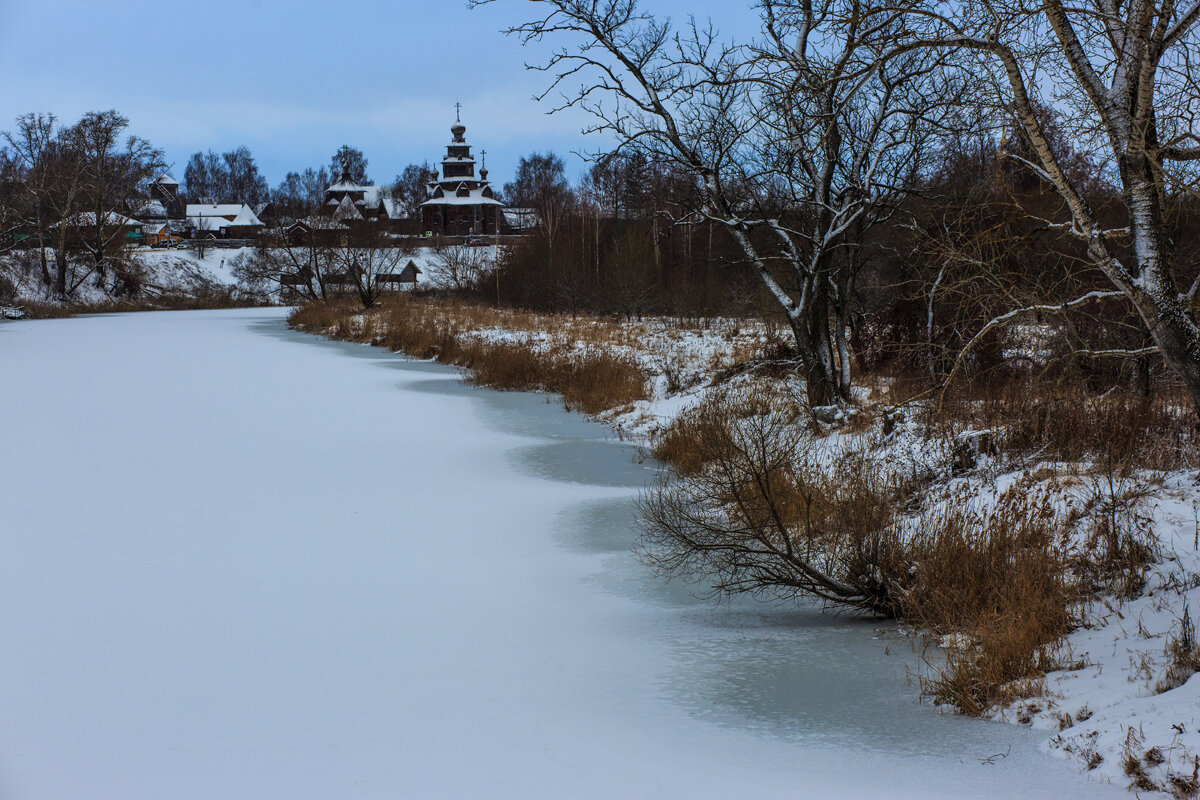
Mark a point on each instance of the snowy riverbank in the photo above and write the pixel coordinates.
(157, 273)
(250, 591)
(1123, 711)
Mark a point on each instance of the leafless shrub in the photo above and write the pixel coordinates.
(1119, 545)
(1183, 654)
(761, 514)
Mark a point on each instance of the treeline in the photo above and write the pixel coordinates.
(66, 187)
(907, 183)
(620, 241)
(967, 243)
(233, 177)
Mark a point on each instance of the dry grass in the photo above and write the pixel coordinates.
(999, 582)
(588, 375)
(329, 319)
(181, 301)
(1183, 655)
(34, 310)
(1071, 424)
(700, 436)
(1002, 581)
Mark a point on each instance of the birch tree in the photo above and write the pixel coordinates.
(1124, 75)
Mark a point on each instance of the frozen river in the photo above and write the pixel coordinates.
(238, 562)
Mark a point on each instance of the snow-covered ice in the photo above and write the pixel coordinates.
(239, 562)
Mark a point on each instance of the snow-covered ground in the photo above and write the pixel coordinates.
(281, 567)
(1122, 701)
(183, 269)
(165, 270)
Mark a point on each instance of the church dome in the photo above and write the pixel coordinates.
(458, 129)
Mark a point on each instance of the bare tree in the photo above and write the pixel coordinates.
(369, 263)
(300, 263)
(800, 143)
(202, 236)
(112, 171)
(629, 273)
(409, 189)
(31, 145)
(1124, 76)
(461, 266)
(65, 197)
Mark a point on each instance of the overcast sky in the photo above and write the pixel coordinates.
(294, 79)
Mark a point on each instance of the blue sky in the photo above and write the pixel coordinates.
(294, 80)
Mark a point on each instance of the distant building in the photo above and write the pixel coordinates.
(460, 204)
(520, 220)
(114, 228)
(349, 201)
(156, 232)
(165, 190)
(223, 221)
(361, 208)
(160, 203)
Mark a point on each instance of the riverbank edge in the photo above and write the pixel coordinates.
(1120, 751)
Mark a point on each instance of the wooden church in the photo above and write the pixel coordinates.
(461, 204)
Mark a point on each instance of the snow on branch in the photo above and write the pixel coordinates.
(1019, 313)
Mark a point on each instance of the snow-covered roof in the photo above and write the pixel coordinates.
(394, 211)
(224, 214)
(451, 197)
(166, 179)
(154, 228)
(208, 223)
(151, 208)
(246, 217)
(521, 218)
(87, 219)
(373, 195)
(347, 185)
(347, 210)
(214, 210)
(243, 217)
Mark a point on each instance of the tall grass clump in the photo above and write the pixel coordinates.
(1070, 424)
(996, 584)
(333, 319)
(592, 380)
